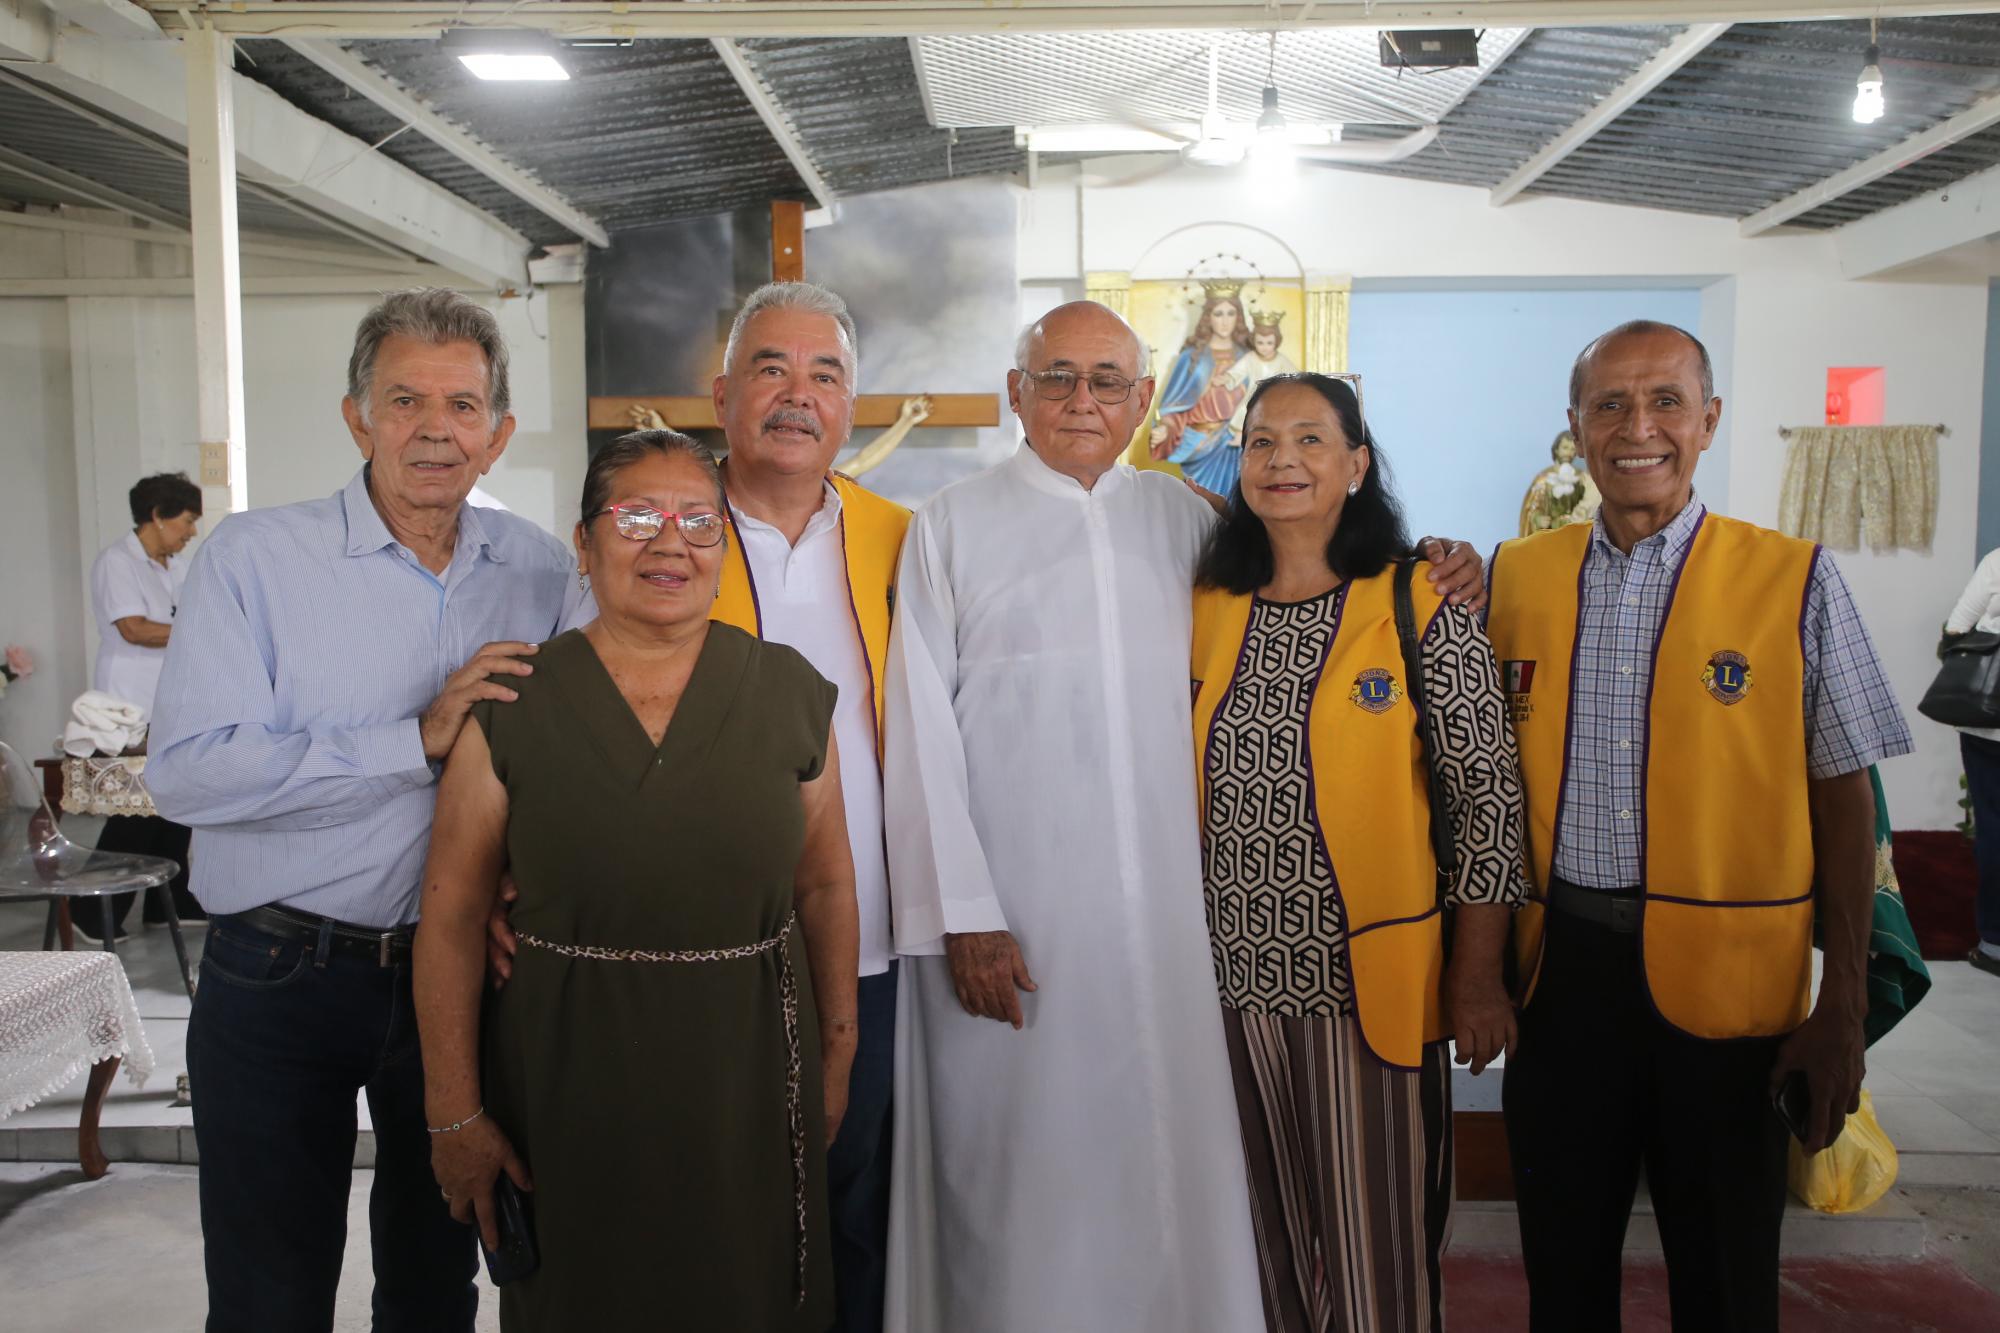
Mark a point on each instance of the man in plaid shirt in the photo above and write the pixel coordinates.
(1697, 704)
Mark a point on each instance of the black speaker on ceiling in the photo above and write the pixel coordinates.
(1444, 48)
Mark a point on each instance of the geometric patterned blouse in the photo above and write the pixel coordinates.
(1275, 924)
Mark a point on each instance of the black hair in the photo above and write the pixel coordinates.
(165, 495)
(621, 453)
(1237, 555)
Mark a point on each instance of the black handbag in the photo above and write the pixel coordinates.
(1966, 692)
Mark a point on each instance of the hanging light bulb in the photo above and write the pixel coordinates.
(1271, 149)
(1868, 102)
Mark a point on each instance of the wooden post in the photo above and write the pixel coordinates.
(788, 241)
(218, 284)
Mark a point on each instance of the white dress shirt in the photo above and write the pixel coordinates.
(804, 602)
(126, 581)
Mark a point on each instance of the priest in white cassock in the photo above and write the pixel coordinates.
(1075, 1165)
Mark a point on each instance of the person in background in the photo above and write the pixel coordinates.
(135, 589)
(1979, 609)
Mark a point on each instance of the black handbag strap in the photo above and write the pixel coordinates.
(1413, 676)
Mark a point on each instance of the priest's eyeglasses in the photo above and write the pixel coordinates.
(1056, 385)
(642, 523)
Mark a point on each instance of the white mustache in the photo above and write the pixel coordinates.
(793, 421)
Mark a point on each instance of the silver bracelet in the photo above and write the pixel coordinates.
(453, 1129)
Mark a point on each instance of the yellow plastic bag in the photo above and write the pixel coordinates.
(1853, 1173)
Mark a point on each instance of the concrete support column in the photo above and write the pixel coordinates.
(218, 281)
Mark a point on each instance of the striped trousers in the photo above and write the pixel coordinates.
(1350, 1174)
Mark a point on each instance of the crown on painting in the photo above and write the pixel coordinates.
(1266, 319)
(1222, 288)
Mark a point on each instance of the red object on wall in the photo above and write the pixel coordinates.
(1854, 396)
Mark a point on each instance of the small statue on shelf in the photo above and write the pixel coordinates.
(1561, 494)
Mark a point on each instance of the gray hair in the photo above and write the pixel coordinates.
(435, 315)
(808, 298)
(1630, 328)
(1026, 340)
(623, 452)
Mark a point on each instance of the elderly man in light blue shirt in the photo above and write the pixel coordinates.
(323, 660)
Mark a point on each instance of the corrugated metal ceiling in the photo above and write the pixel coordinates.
(659, 130)
(1766, 111)
(113, 160)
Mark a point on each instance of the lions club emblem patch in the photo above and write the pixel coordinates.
(1375, 690)
(1727, 677)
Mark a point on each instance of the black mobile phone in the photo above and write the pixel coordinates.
(1793, 1104)
(517, 1256)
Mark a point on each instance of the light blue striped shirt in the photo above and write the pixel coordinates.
(285, 730)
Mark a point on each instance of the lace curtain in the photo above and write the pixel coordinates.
(1846, 483)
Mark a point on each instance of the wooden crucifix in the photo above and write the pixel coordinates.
(895, 414)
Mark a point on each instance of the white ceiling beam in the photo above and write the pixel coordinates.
(386, 93)
(1917, 229)
(775, 120)
(903, 18)
(171, 233)
(1978, 116)
(328, 284)
(117, 19)
(281, 151)
(1656, 71)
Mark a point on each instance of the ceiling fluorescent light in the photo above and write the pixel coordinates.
(493, 65)
(514, 54)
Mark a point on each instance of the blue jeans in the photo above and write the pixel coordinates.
(1982, 785)
(857, 1165)
(283, 1038)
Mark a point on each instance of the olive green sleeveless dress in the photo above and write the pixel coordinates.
(652, 1100)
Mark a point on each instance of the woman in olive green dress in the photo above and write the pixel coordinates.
(671, 1055)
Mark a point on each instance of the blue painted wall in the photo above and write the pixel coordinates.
(1989, 432)
(1467, 389)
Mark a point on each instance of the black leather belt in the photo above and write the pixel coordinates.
(1617, 910)
(385, 948)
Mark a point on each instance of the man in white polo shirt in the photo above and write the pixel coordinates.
(811, 563)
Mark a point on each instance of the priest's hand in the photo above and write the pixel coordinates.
(986, 967)
(438, 725)
(500, 939)
(466, 1163)
(1457, 571)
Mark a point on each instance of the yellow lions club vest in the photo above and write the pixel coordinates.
(1728, 858)
(871, 540)
(1370, 800)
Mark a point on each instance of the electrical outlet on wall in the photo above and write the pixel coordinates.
(214, 463)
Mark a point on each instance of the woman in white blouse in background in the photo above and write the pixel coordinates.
(134, 591)
(1979, 609)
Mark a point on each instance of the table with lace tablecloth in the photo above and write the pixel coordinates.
(60, 1014)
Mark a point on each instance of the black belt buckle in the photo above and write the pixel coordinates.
(1624, 914)
(382, 951)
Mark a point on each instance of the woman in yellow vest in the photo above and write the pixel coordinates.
(1324, 899)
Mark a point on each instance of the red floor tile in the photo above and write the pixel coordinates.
(1486, 1293)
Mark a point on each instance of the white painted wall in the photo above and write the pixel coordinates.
(1777, 311)
(39, 582)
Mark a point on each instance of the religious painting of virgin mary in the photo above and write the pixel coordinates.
(1196, 427)
(1215, 337)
